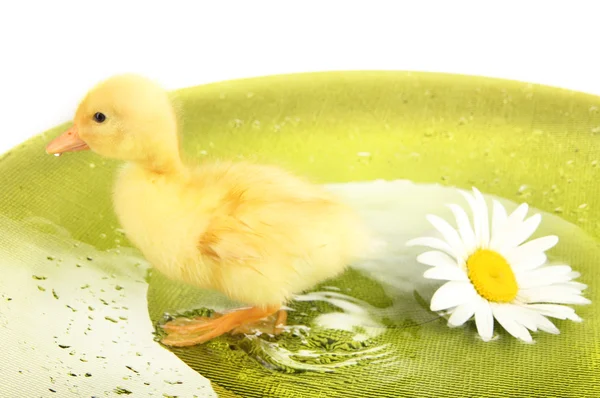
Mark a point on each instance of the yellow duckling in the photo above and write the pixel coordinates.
(254, 232)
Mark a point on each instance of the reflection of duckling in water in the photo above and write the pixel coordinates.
(256, 233)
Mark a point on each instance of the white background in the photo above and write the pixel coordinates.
(53, 51)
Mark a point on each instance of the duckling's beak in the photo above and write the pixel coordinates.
(68, 141)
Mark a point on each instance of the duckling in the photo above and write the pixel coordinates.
(254, 232)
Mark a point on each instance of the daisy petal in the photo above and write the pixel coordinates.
(553, 294)
(433, 243)
(571, 299)
(464, 227)
(449, 234)
(520, 315)
(554, 311)
(573, 285)
(542, 322)
(436, 259)
(544, 276)
(484, 239)
(574, 275)
(540, 244)
(533, 320)
(461, 314)
(524, 263)
(484, 320)
(520, 212)
(504, 314)
(452, 273)
(519, 257)
(550, 289)
(524, 232)
(451, 294)
(475, 212)
(498, 220)
(510, 228)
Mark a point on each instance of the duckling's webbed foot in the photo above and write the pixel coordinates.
(186, 332)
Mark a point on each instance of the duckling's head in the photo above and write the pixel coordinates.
(125, 117)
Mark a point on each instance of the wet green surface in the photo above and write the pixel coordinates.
(519, 141)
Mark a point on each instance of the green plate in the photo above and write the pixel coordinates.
(64, 259)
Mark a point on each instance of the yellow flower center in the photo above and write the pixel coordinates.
(492, 276)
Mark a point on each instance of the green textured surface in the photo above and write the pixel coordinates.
(520, 141)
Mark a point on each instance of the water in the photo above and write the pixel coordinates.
(369, 328)
(374, 316)
(68, 327)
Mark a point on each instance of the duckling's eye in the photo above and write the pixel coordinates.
(99, 117)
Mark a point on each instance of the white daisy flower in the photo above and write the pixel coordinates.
(492, 273)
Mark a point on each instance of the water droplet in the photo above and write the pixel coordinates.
(558, 210)
(594, 163)
(92, 165)
(583, 206)
(122, 391)
(256, 124)
(250, 94)
(203, 152)
(102, 236)
(236, 123)
(593, 109)
(363, 154)
(596, 130)
(57, 154)
(570, 162)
